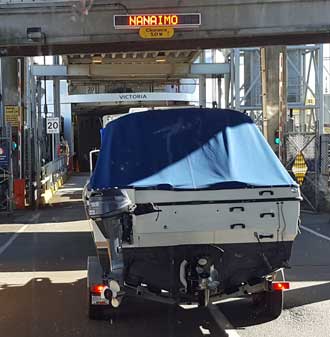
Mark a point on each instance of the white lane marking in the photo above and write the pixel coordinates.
(315, 233)
(222, 321)
(51, 227)
(4, 247)
(33, 218)
(11, 279)
(305, 284)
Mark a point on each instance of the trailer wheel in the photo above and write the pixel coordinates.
(96, 313)
(274, 304)
(271, 303)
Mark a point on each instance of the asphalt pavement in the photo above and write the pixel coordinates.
(43, 256)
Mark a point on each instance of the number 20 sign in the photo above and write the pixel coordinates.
(53, 125)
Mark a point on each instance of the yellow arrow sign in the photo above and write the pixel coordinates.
(300, 168)
(156, 32)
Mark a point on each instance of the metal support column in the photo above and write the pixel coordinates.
(38, 134)
(320, 91)
(35, 152)
(2, 114)
(202, 85)
(264, 91)
(214, 81)
(283, 94)
(237, 78)
(272, 84)
(27, 68)
(28, 134)
(227, 82)
(57, 109)
(20, 120)
(219, 92)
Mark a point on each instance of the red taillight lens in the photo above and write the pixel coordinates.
(97, 288)
(279, 286)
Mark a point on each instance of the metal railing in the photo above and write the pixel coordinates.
(6, 173)
(53, 170)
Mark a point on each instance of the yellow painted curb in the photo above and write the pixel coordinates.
(47, 195)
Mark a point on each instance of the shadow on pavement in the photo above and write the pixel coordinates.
(310, 259)
(307, 295)
(309, 273)
(40, 252)
(63, 212)
(42, 308)
(57, 212)
(243, 313)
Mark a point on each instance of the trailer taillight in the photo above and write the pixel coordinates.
(279, 286)
(97, 288)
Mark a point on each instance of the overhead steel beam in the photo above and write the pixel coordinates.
(225, 24)
(32, 49)
(209, 69)
(132, 71)
(49, 70)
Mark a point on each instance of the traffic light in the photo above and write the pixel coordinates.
(277, 139)
(14, 144)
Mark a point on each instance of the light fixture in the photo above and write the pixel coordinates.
(35, 34)
(97, 59)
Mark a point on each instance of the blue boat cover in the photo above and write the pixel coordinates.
(189, 148)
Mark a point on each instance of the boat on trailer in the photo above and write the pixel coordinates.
(193, 206)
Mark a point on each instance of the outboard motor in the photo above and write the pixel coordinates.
(110, 211)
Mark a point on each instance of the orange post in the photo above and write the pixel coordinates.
(19, 193)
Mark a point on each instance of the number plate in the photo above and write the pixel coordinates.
(99, 300)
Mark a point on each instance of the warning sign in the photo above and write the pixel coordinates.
(53, 125)
(156, 32)
(300, 168)
(12, 114)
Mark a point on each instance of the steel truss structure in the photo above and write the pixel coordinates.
(304, 121)
(304, 81)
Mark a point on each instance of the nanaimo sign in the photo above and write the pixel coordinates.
(136, 21)
(153, 20)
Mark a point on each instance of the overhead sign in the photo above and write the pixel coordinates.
(156, 32)
(310, 101)
(135, 21)
(53, 125)
(100, 99)
(12, 114)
